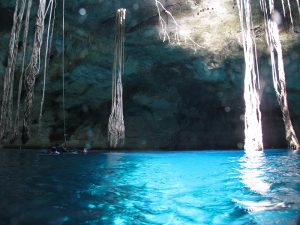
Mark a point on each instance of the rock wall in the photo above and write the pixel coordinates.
(176, 96)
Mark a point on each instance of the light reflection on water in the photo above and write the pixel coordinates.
(274, 181)
(253, 167)
(214, 187)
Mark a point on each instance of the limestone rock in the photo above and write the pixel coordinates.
(175, 96)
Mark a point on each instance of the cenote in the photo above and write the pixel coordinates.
(190, 187)
(149, 112)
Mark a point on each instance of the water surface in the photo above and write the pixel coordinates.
(206, 187)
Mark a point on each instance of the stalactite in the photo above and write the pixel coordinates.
(47, 51)
(278, 74)
(116, 127)
(253, 127)
(33, 68)
(26, 27)
(6, 119)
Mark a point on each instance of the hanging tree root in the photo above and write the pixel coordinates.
(33, 69)
(52, 6)
(253, 125)
(25, 34)
(6, 119)
(116, 127)
(177, 30)
(280, 84)
(278, 74)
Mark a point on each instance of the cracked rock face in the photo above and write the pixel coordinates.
(176, 95)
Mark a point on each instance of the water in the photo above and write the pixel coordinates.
(208, 187)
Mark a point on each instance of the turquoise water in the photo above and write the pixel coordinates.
(206, 187)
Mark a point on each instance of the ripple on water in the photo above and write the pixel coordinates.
(150, 188)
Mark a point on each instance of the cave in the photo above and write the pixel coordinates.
(149, 112)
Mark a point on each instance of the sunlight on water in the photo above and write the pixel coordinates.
(216, 187)
(252, 172)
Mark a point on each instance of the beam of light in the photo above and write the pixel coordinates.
(253, 127)
(116, 127)
(278, 74)
(179, 32)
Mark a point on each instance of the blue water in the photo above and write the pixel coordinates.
(207, 187)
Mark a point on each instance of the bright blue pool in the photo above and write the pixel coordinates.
(206, 187)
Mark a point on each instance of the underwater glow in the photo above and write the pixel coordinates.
(253, 127)
(178, 188)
